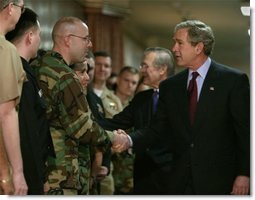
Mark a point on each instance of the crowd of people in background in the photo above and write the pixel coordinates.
(70, 125)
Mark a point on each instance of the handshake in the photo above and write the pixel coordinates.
(120, 141)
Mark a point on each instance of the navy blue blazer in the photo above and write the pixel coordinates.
(35, 138)
(217, 148)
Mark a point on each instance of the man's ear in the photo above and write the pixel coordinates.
(29, 36)
(163, 70)
(199, 47)
(9, 8)
(67, 40)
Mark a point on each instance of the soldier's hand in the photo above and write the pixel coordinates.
(46, 187)
(102, 173)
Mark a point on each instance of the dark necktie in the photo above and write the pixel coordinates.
(192, 92)
(154, 101)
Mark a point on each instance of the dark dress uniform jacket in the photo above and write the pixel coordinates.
(153, 163)
(217, 148)
(35, 137)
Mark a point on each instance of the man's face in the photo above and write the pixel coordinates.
(103, 68)
(83, 76)
(183, 51)
(79, 43)
(150, 72)
(17, 9)
(127, 83)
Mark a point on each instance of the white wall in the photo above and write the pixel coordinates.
(133, 53)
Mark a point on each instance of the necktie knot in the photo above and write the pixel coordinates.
(192, 82)
(154, 100)
(195, 75)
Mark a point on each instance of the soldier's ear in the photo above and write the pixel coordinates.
(29, 37)
(67, 41)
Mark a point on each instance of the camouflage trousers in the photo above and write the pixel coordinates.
(107, 184)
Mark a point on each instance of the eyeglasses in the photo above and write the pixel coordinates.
(87, 39)
(22, 8)
(143, 66)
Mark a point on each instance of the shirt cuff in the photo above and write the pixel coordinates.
(130, 141)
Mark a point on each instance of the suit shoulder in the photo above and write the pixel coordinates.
(175, 79)
(226, 70)
(143, 94)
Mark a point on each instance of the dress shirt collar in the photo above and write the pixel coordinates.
(202, 70)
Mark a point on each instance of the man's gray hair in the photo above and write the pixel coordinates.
(164, 57)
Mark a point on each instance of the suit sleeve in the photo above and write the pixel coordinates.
(157, 129)
(123, 120)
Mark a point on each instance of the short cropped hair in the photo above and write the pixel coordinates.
(64, 25)
(27, 20)
(101, 54)
(129, 69)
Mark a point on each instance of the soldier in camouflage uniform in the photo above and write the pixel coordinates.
(93, 156)
(68, 112)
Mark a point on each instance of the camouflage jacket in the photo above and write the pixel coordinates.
(69, 118)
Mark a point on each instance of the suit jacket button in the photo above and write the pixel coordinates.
(191, 145)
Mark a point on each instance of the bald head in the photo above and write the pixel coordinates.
(66, 26)
(71, 39)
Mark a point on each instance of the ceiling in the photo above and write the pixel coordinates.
(155, 18)
(151, 23)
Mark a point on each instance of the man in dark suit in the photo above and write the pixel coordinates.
(209, 137)
(151, 165)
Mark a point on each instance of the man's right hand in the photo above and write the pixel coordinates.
(20, 184)
(120, 141)
(102, 173)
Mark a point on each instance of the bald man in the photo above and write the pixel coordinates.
(68, 112)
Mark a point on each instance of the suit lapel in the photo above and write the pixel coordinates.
(148, 105)
(182, 98)
(205, 96)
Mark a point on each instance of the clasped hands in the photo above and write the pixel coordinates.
(120, 141)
